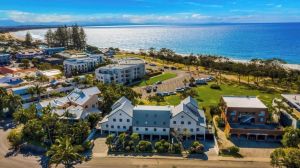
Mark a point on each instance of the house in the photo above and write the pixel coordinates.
(22, 91)
(155, 121)
(292, 118)
(119, 119)
(125, 71)
(78, 104)
(187, 118)
(4, 59)
(18, 71)
(81, 65)
(246, 118)
(9, 81)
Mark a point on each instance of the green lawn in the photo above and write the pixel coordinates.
(207, 96)
(162, 77)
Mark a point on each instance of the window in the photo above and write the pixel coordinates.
(146, 129)
(154, 123)
(86, 106)
(136, 129)
(174, 122)
(164, 123)
(118, 127)
(120, 114)
(112, 126)
(182, 116)
(93, 106)
(114, 120)
(154, 129)
(124, 127)
(189, 123)
(191, 129)
(128, 120)
(120, 120)
(197, 129)
(182, 122)
(106, 125)
(155, 115)
(164, 130)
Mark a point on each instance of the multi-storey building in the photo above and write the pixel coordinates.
(126, 71)
(76, 66)
(246, 118)
(4, 59)
(155, 121)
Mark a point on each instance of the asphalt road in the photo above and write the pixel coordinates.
(167, 163)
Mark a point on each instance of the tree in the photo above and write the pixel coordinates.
(49, 37)
(162, 146)
(185, 82)
(15, 137)
(64, 152)
(144, 146)
(189, 92)
(277, 157)
(93, 119)
(33, 131)
(291, 137)
(109, 141)
(192, 80)
(38, 90)
(28, 39)
(22, 115)
(25, 63)
(13, 102)
(135, 138)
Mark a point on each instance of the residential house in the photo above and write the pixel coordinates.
(9, 81)
(79, 103)
(28, 54)
(246, 118)
(54, 50)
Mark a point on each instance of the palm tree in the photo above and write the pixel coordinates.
(185, 82)
(64, 152)
(31, 91)
(135, 138)
(39, 90)
(109, 141)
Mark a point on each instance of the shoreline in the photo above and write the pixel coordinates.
(287, 65)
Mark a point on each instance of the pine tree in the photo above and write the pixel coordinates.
(28, 39)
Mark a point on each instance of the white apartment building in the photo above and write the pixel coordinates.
(125, 71)
(155, 121)
(74, 66)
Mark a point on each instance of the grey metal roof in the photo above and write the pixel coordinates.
(152, 116)
(243, 102)
(80, 97)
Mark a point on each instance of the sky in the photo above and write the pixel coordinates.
(25, 12)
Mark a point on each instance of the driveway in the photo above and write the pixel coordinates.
(100, 149)
(8, 159)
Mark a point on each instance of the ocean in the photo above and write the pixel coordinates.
(236, 41)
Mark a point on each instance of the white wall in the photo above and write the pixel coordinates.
(178, 127)
(159, 131)
(117, 116)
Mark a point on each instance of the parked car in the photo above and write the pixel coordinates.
(201, 81)
(148, 89)
(166, 67)
(210, 78)
(173, 68)
(152, 64)
(158, 82)
(154, 88)
(172, 93)
(181, 89)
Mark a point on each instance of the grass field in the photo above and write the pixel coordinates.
(162, 77)
(207, 96)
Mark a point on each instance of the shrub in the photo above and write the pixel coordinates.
(197, 148)
(15, 138)
(215, 86)
(144, 146)
(234, 149)
(162, 146)
(214, 110)
(176, 148)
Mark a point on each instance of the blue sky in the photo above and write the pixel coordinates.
(148, 11)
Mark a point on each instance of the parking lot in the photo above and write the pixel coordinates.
(170, 85)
